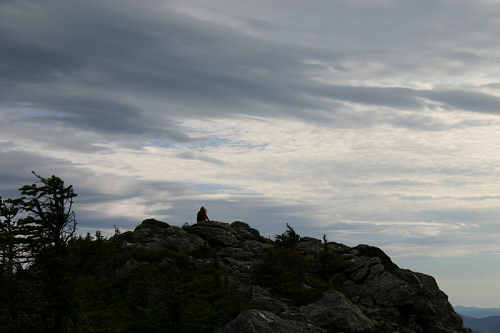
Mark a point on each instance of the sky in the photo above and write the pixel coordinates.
(370, 121)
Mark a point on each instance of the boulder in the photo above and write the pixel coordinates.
(151, 224)
(155, 235)
(268, 303)
(259, 321)
(374, 252)
(217, 234)
(309, 246)
(129, 266)
(256, 247)
(398, 297)
(244, 232)
(236, 253)
(336, 313)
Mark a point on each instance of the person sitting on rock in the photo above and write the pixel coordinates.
(202, 216)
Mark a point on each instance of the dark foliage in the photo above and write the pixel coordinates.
(329, 261)
(288, 239)
(150, 290)
(55, 282)
(286, 272)
(12, 256)
(294, 276)
(49, 213)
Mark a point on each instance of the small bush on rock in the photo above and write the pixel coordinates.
(285, 272)
(288, 239)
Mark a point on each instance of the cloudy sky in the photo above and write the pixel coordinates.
(370, 121)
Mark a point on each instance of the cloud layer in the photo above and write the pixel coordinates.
(369, 121)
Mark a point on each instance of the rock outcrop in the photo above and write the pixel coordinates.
(153, 234)
(217, 234)
(360, 290)
(399, 297)
(335, 312)
(259, 321)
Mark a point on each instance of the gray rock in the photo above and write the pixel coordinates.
(151, 224)
(268, 303)
(338, 248)
(309, 246)
(259, 321)
(374, 252)
(256, 247)
(376, 269)
(217, 234)
(377, 296)
(237, 253)
(129, 266)
(360, 268)
(203, 265)
(237, 265)
(244, 232)
(336, 313)
(156, 235)
(398, 297)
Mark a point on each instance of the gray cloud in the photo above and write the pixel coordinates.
(31, 63)
(172, 57)
(465, 215)
(430, 197)
(267, 215)
(16, 170)
(494, 85)
(92, 189)
(400, 183)
(199, 156)
(90, 221)
(80, 78)
(98, 189)
(59, 138)
(94, 67)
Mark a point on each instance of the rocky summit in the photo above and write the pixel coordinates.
(305, 285)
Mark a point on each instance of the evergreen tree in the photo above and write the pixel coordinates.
(11, 259)
(49, 225)
(50, 216)
(10, 237)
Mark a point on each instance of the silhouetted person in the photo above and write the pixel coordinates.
(202, 216)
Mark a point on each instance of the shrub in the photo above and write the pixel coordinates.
(288, 239)
(285, 271)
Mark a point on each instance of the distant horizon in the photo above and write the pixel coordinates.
(477, 307)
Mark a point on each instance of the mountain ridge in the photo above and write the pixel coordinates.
(306, 286)
(477, 312)
(490, 324)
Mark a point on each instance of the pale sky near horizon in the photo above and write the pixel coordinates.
(370, 121)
